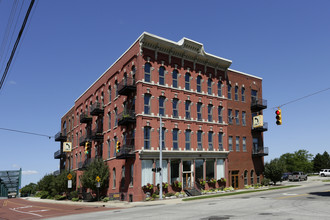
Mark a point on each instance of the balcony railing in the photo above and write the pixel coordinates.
(259, 151)
(258, 104)
(58, 154)
(262, 128)
(85, 118)
(126, 150)
(97, 109)
(126, 117)
(126, 86)
(97, 134)
(84, 139)
(83, 165)
(60, 136)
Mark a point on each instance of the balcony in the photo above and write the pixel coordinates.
(126, 117)
(126, 86)
(258, 104)
(83, 165)
(97, 109)
(84, 139)
(126, 150)
(262, 128)
(58, 154)
(259, 151)
(97, 135)
(60, 136)
(85, 118)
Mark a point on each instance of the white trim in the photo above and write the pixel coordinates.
(236, 71)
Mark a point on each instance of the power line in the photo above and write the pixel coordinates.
(306, 96)
(16, 44)
(26, 132)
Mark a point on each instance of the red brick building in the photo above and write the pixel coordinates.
(206, 111)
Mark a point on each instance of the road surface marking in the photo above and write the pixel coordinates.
(24, 207)
(5, 203)
(292, 196)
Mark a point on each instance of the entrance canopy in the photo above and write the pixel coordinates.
(10, 181)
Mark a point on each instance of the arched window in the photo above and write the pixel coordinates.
(161, 75)
(187, 81)
(236, 93)
(198, 81)
(209, 86)
(147, 137)
(219, 88)
(147, 98)
(245, 178)
(116, 87)
(147, 72)
(188, 139)
(162, 105)
(133, 74)
(252, 177)
(110, 93)
(229, 91)
(64, 128)
(243, 94)
(175, 79)
(114, 178)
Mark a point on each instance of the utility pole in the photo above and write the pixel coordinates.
(160, 159)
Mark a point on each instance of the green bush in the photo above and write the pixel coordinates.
(265, 182)
(43, 194)
(169, 194)
(106, 199)
(75, 199)
(59, 197)
(74, 194)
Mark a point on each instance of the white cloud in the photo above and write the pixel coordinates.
(15, 166)
(29, 172)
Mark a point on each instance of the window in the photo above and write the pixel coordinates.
(114, 146)
(162, 105)
(237, 117)
(219, 88)
(252, 177)
(116, 117)
(199, 111)
(236, 93)
(133, 74)
(147, 174)
(175, 79)
(175, 170)
(187, 81)
(199, 169)
(245, 177)
(163, 138)
(161, 75)
(147, 137)
(243, 94)
(237, 144)
(229, 91)
(244, 144)
(230, 143)
(209, 168)
(230, 116)
(187, 108)
(198, 81)
(131, 175)
(122, 182)
(187, 139)
(116, 87)
(209, 113)
(147, 98)
(109, 120)
(199, 140)
(254, 96)
(175, 108)
(110, 94)
(209, 86)
(109, 147)
(220, 136)
(220, 119)
(76, 157)
(210, 139)
(147, 72)
(114, 178)
(244, 118)
(175, 138)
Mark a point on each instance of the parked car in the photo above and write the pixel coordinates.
(324, 172)
(297, 176)
(285, 176)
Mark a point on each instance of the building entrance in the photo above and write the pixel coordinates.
(234, 179)
(186, 184)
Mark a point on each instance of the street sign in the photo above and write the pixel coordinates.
(67, 146)
(69, 176)
(69, 184)
(98, 184)
(258, 121)
(98, 179)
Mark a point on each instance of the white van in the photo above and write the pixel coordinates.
(325, 172)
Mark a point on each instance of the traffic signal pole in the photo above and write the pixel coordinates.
(160, 159)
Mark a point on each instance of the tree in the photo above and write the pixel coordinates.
(96, 168)
(321, 161)
(29, 189)
(298, 161)
(274, 170)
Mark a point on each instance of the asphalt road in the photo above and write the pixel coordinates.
(311, 200)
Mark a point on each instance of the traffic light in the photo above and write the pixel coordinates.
(118, 147)
(87, 147)
(278, 113)
(157, 169)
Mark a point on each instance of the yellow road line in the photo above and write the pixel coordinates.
(285, 197)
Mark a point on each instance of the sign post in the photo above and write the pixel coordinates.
(98, 184)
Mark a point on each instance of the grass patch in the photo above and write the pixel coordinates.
(325, 180)
(237, 193)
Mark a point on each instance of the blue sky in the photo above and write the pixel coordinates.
(67, 45)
